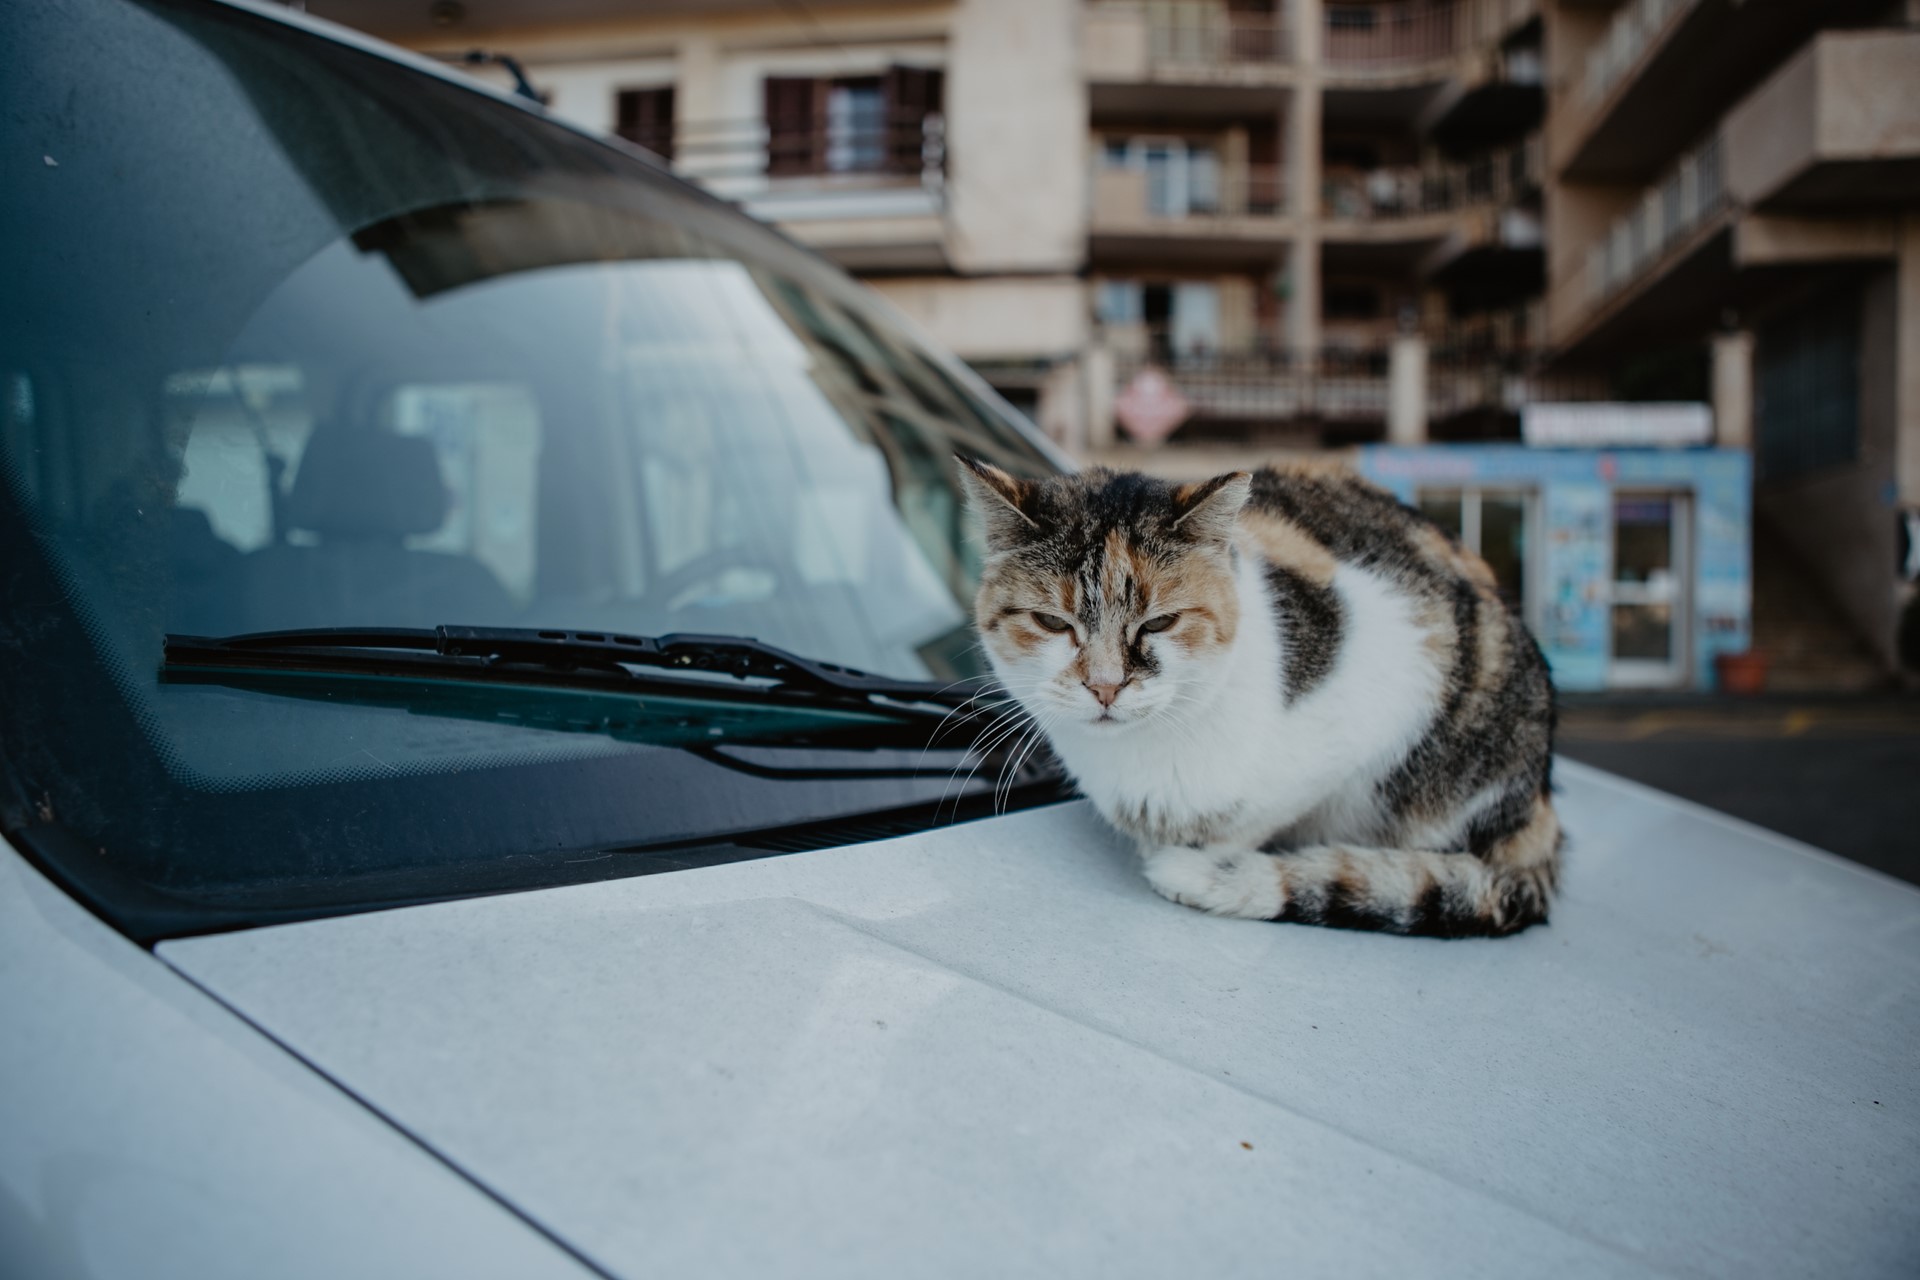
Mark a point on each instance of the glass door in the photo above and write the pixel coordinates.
(1647, 597)
(1196, 318)
(1496, 525)
(1183, 178)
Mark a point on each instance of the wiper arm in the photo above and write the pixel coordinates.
(492, 652)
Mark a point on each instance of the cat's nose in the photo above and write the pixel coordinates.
(1104, 693)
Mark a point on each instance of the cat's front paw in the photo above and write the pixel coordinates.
(1236, 882)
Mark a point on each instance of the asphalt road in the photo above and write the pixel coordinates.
(1843, 775)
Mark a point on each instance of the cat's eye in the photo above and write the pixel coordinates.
(1052, 621)
(1160, 623)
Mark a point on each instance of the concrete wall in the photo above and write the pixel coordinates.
(1907, 364)
(1568, 33)
(1016, 141)
(1115, 43)
(1774, 132)
(996, 319)
(1840, 520)
(1578, 217)
(1839, 98)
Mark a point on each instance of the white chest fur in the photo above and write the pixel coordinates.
(1236, 763)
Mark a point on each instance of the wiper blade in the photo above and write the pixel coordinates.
(493, 652)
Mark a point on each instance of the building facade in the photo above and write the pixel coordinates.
(1291, 225)
(1733, 215)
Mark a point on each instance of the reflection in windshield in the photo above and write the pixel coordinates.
(646, 446)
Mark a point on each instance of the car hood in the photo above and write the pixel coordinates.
(991, 1050)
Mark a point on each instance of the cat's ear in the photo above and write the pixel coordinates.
(1002, 502)
(1206, 511)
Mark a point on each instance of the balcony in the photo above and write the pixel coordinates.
(1189, 43)
(1670, 216)
(1237, 213)
(1425, 217)
(1835, 129)
(1492, 385)
(1664, 71)
(1367, 195)
(1258, 382)
(870, 194)
(1369, 43)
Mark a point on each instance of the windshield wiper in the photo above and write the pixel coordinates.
(597, 657)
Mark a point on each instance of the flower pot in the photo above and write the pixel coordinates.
(1741, 673)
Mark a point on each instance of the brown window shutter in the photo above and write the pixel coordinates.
(796, 131)
(911, 94)
(645, 118)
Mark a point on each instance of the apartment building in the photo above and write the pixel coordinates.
(1295, 224)
(1314, 218)
(1733, 215)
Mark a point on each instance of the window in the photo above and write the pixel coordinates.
(1351, 302)
(1491, 524)
(853, 124)
(1350, 155)
(856, 126)
(644, 117)
(1183, 177)
(1807, 376)
(1118, 302)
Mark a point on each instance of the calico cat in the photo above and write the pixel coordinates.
(1302, 698)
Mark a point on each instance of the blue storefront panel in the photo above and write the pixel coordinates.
(1575, 491)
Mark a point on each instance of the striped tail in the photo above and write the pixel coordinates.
(1411, 891)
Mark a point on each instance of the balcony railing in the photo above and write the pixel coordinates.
(1204, 35)
(1497, 179)
(1258, 379)
(1688, 197)
(1129, 197)
(1636, 27)
(1388, 39)
(743, 158)
(1501, 380)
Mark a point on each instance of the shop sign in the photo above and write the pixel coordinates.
(1609, 425)
(1151, 407)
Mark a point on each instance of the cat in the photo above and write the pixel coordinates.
(1301, 698)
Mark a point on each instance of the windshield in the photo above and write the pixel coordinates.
(297, 337)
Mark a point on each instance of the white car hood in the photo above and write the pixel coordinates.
(991, 1050)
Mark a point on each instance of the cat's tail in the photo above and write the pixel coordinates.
(1414, 891)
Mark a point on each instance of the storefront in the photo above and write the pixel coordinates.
(1632, 566)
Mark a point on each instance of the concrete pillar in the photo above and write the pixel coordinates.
(1733, 390)
(1303, 298)
(1906, 337)
(1097, 367)
(1235, 176)
(699, 101)
(1301, 129)
(698, 94)
(1062, 412)
(1016, 108)
(1407, 390)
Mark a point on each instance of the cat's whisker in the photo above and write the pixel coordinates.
(1013, 774)
(1015, 721)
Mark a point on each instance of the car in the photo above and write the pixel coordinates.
(496, 780)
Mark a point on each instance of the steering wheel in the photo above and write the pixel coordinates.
(664, 593)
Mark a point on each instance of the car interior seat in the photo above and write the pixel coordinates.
(360, 492)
